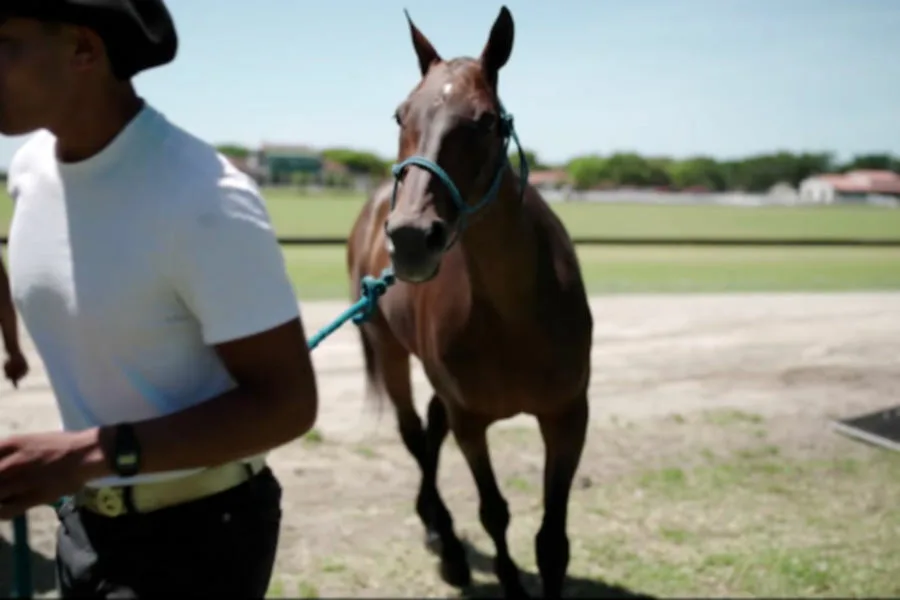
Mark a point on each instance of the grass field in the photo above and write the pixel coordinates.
(295, 215)
(318, 272)
(758, 516)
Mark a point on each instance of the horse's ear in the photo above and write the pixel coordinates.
(424, 50)
(499, 45)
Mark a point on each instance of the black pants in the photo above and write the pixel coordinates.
(222, 545)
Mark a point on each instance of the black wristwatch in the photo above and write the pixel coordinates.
(126, 454)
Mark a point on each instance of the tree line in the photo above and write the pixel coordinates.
(755, 173)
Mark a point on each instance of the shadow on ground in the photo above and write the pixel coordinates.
(43, 574)
(576, 587)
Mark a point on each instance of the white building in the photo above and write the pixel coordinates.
(853, 186)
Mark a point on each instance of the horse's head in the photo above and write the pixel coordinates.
(454, 136)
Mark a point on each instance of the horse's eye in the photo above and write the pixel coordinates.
(486, 122)
(397, 117)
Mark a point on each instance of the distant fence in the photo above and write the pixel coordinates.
(785, 196)
(609, 241)
(624, 197)
(582, 241)
(746, 199)
(647, 241)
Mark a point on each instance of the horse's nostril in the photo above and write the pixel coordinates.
(436, 237)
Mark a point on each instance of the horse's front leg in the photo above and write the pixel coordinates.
(440, 537)
(470, 431)
(564, 436)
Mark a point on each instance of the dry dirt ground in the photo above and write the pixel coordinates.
(709, 439)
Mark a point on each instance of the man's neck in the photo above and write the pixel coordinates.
(92, 123)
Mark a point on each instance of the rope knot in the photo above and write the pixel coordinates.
(372, 289)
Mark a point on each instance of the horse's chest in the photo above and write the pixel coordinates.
(492, 369)
(477, 359)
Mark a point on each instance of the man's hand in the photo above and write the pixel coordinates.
(39, 468)
(15, 367)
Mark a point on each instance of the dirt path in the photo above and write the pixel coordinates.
(657, 355)
(658, 360)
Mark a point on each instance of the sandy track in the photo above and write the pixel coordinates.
(818, 356)
(658, 355)
(653, 355)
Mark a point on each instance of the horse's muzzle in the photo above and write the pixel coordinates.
(416, 249)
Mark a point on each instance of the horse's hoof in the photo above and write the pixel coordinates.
(513, 588)
(456, 573)
(433, 542)
(517, 592)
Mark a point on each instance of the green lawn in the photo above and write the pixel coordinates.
(297, 215)
(319, 272)
(314, 215)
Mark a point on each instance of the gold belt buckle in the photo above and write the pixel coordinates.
(109, 502)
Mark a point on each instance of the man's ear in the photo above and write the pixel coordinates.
(87, 47)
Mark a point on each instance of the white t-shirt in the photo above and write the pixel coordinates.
(126, 268)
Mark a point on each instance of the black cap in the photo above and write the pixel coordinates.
(139, 34)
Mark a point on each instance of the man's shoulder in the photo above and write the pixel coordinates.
(206, 191)
(31, 158)
(35, 151)
(205, 177)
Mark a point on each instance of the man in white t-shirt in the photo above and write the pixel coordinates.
(145, 268)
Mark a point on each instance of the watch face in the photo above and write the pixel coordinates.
(127, 457)
(127, 463)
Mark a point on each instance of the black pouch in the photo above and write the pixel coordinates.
(78, 568)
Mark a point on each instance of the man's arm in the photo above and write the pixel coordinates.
(229, 270)
(9, 326)
(15, 367)
(273, 404)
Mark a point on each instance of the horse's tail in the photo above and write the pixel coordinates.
(373, 375)
(375, 389)
(358, 249)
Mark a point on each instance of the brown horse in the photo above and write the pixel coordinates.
(489, 297)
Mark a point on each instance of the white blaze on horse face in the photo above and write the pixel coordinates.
(446, 91)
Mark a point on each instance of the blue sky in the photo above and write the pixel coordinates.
(674, 77)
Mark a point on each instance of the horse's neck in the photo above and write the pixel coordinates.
(500, 254)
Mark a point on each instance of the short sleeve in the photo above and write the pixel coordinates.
(12, 176)
(228, 266)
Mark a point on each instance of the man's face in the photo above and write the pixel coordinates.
(35, 74)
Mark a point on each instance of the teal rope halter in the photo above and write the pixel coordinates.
(508, 132)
